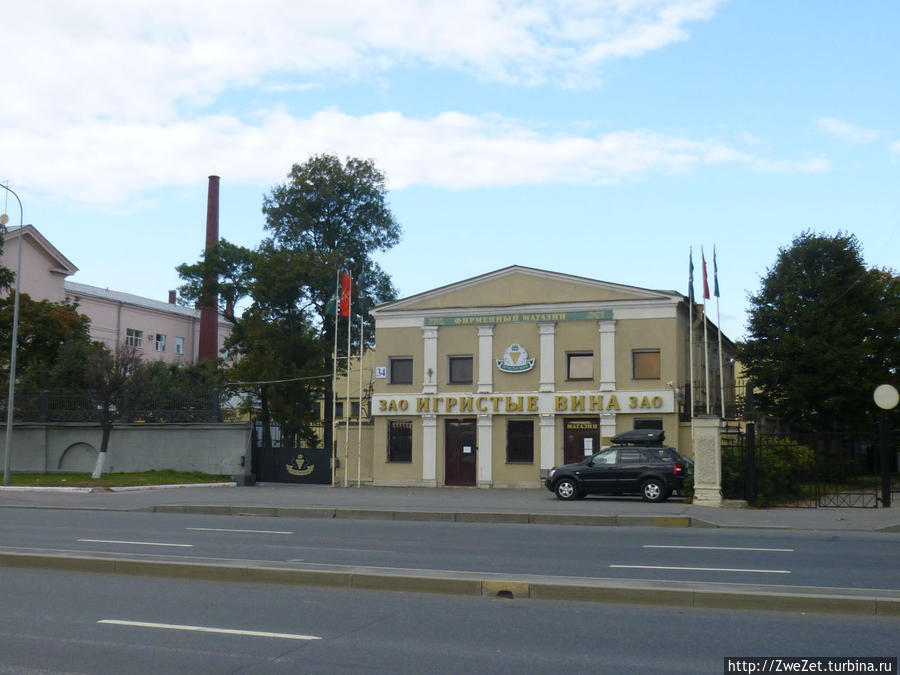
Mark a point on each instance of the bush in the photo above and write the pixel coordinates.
(783, 468)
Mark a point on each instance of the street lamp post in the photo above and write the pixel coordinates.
(886, 398)
(15, 338)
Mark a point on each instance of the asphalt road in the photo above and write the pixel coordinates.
(69, 622)
(754, 557)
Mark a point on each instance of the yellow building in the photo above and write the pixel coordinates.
(493, 380)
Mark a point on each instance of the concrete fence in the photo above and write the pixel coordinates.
(73, 447)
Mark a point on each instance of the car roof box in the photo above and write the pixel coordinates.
(640, 437)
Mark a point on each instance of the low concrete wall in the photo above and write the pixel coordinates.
(208, 448)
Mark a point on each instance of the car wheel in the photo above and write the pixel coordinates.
(653, 490)
(566, 489)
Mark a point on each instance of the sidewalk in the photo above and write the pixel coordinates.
(463, 504)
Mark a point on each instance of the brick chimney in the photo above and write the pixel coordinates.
(171, 297)
(209, 319)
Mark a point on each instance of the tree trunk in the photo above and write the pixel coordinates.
(101, 456)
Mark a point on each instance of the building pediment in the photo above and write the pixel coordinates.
(57, 263)
(522, 287)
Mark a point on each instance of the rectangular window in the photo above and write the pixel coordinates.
(339, 410)
(645, 364)
(520, 442)
(399, 441)
(134, 338)
(460, 370)
(580, 366)
(647, 423)
(160, 343)
(401, 370)
(179, 345)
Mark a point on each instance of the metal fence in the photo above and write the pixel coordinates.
(805, 470)
(158, 407)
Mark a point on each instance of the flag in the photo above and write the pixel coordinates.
(691, 279)
(715, 274)
(332, 304)
(705, 280)
(345, 295)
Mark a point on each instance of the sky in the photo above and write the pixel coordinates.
(609, 139)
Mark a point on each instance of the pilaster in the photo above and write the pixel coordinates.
(547, 332)
(485, 359)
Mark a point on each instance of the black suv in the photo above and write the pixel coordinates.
(637, 463)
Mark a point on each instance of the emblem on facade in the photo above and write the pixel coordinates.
(296, 468)
(515, 360)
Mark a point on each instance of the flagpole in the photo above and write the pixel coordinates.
(691, 336)
(362, 345)
(719, 323)
(347, 410)
(705, 333)
(337, 286)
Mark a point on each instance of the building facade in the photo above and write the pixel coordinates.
(162, 331)
(494, 380)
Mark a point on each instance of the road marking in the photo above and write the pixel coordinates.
(205, 629)
(222, 529)
(699, 569)
(722, 548)
(136, 543)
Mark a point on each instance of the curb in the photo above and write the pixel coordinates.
(130, 488)
(435, 516)
(700, 596)
(596, 520)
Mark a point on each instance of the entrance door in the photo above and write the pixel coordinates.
(582, 439)
(460, 452)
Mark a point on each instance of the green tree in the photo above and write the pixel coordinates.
(7, 276)
(109, 378)
(45, 329)
(823, 332)
(329, 216)
(224, 270)
(333, 216)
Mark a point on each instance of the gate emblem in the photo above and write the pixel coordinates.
(297, 469)
(515, 360)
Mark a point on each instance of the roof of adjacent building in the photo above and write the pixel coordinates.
(84, 290)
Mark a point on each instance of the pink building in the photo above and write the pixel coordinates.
(163, 331)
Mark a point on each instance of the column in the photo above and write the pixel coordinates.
(430, 364)
(485, 359)
(707, 432)
(547, 332)
(485, 449)
(607, 354)
(429, 450)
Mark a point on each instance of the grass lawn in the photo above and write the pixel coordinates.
(163, 477)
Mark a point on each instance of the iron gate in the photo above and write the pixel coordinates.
(289, 460)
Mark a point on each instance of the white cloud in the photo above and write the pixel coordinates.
(847, 132)
(112, 99)
(110, 163)
(149, 59)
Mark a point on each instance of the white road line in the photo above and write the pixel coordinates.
(136, 543)
(698, 569)
(205, 629)
(222, 529)
(722, 548)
